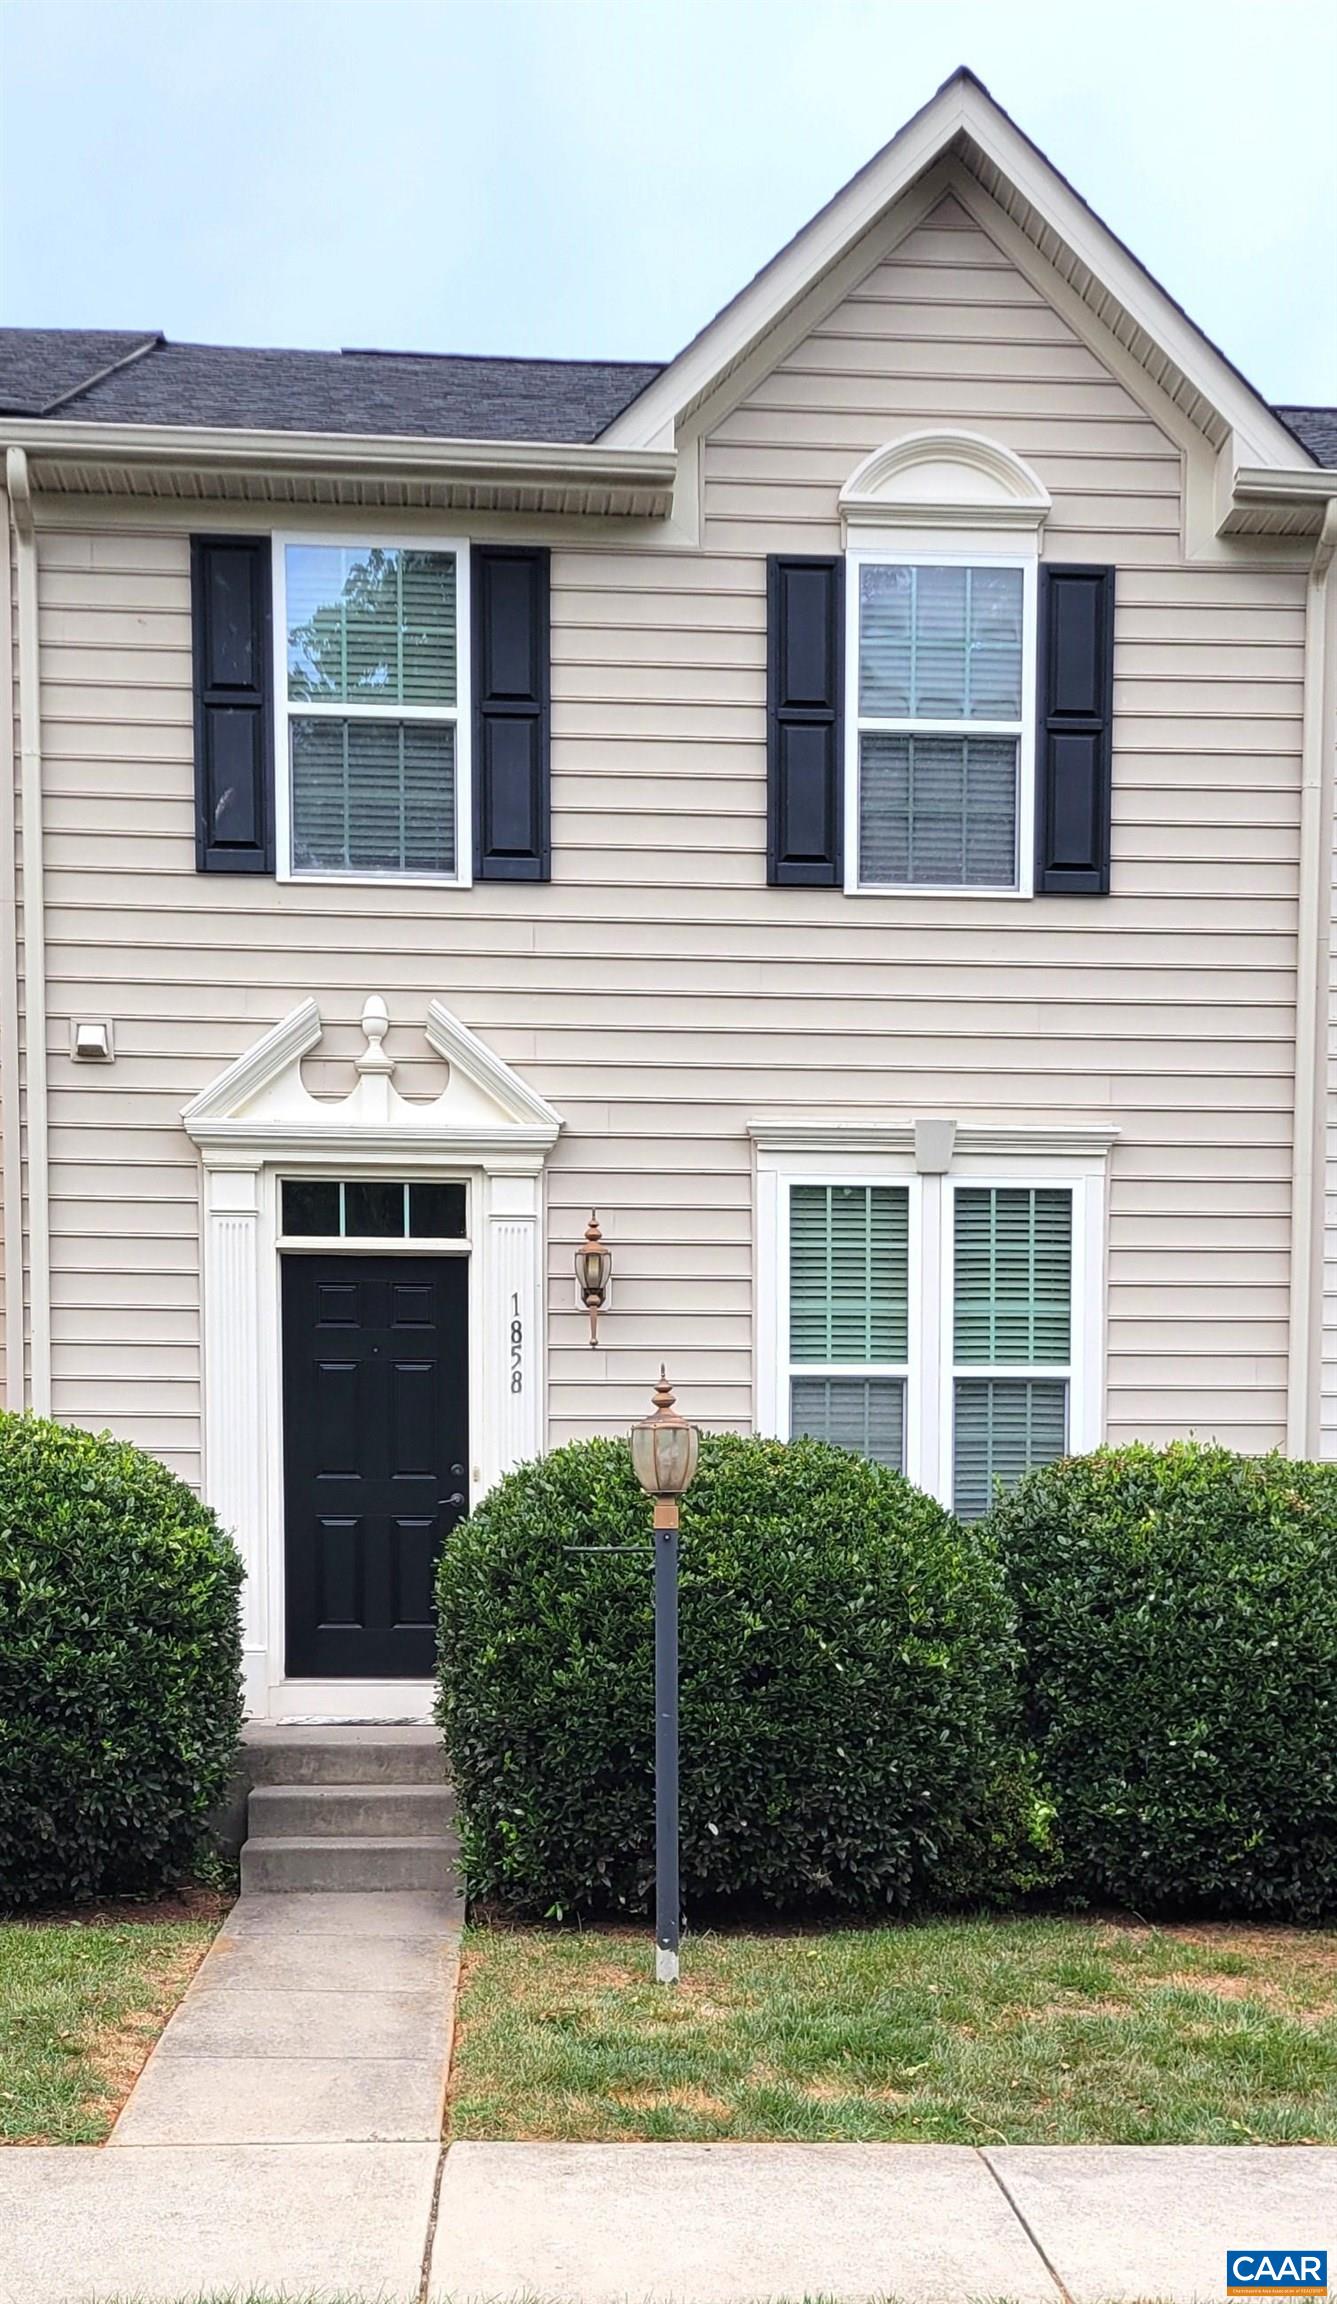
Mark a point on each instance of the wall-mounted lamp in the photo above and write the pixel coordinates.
(594, 1267)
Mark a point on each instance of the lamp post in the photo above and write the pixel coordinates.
(663, 1453)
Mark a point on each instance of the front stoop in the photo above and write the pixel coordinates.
(348, 1808)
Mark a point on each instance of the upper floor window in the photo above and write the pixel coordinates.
(373, 728)
(941, 673)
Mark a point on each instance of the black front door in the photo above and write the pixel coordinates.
(376, 1451)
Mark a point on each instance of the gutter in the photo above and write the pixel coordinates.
(1314, 931)
(1261, 484)
(546, 465)
(11, 1114)
(34, 933)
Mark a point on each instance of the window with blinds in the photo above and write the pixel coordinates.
(373, 707)
(939, 725)
(1011, 1335)
(849, 1316)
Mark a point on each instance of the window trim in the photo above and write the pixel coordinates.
(459, 715)
(931, 1374)
(892, 550)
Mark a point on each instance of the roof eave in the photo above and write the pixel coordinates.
(200, 460)
(1266, 502)
(1185, 362)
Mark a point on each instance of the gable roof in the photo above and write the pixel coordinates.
(601, 435)
(116, 377)
(963, 121)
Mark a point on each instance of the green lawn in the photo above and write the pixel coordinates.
(81, 2004)
(1020, 2031)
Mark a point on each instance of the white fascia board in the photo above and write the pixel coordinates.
(215, 448)
(960, 106)
(651, 416)
(1145, 302)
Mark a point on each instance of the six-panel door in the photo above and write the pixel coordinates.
(376, 1451)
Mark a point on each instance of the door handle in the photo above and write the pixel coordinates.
(457, 1498)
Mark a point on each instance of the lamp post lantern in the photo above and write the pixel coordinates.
(663, 1454)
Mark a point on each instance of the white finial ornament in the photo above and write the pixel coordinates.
(375, 1024)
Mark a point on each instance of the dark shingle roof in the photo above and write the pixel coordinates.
(1315, 429)
(427, 395)
(40, 365)
(134, 376)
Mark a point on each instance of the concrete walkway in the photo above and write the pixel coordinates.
(649, 2223)
(322, 2018)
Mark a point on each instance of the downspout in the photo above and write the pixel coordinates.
(1313, 941)
(11, 1117)
(34, 934)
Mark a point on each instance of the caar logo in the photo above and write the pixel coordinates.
(1276, 2272)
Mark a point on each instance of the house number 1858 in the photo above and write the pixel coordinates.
(517, 1346)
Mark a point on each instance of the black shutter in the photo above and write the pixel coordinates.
(1075, 734)
(234, 721)
(805, 670)
(512, 837)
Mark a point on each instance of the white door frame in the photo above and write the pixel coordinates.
(257, 1123)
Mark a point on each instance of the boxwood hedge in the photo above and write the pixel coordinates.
(1178, 1618)
(849, 1709)
(120, 1665)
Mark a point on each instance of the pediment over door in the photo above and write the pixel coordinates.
(260, 1106)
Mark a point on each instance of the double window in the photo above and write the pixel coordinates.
(373, 725)
(946, 1326)
(940, 675)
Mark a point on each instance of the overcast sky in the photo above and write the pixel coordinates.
(598, 176)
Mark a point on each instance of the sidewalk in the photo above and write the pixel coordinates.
(651, 2223)
(928, 2223)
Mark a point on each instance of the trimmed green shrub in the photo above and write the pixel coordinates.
(120, 1665)
(1178, 1618)
(848, 1686)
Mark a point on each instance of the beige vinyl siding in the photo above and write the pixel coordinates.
(1167, 1008)
(1328, 1348)
(657, 992)
(945, 331)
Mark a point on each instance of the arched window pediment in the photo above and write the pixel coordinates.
(944, 478)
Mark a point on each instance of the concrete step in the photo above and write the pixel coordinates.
(304, 1864)
(351, 1811)
(363, 1753)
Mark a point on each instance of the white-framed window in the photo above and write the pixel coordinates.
(940, 742)
(951, 1326)
(1008, 1287)
(372, 682)
(848, 1300)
